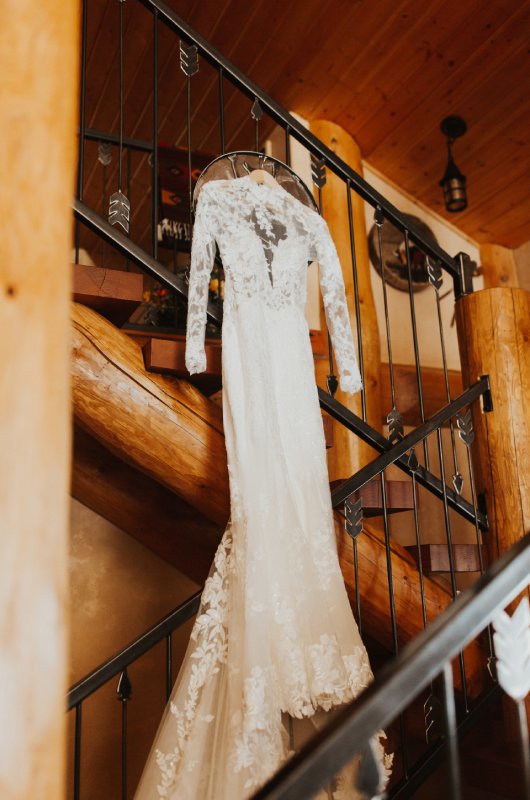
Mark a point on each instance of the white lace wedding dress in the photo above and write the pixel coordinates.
(274, 642)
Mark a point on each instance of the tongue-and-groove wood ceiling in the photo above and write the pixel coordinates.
(387, 72)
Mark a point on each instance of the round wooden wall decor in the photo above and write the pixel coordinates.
(395, 257)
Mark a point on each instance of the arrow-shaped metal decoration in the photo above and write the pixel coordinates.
(512, 648)
(105, 153)
(433, 713)
(256, 110)
(435, 274)
(119, 210)
(353, 517)
(332, 384)
(394, 421)
(413, 460)
(124, 688)
(458, 482)
(189, 59)
(379, 219)
(465, 427)
(318, 171)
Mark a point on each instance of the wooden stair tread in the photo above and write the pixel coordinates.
(113, 293)
(399, 496)
(164, 352)
(167, 357)
(435, 557)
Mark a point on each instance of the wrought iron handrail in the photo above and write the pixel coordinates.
(400, 681)
(309, 140)
(115, 665)
(395, 453)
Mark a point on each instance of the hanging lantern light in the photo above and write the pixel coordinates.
(453, 182)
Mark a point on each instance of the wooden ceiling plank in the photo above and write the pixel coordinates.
(515, 237)
(506, 113)
(361, 86)
(482, 63)
(269, 62)
(103, 82)
(97, 15)
(308, 75)
(444, 53)
(169, 59)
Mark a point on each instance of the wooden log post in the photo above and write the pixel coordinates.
(498, 266)
(38, 118)
(494, 339)
(348, 453)
(161, 426)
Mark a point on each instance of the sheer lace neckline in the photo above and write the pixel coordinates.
(261, 186)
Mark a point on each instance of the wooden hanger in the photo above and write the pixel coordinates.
(263, 176)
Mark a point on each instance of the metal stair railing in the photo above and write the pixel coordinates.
(401, 681)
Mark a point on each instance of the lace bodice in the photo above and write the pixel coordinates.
(265, 239)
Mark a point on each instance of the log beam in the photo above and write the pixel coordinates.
(164, 427)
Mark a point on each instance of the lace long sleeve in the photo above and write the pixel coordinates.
(335, 307)
(202, 259)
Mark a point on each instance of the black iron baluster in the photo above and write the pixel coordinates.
(256, 113)
(353, 524)
(124, 692)
(169, 665)
(154, 160)
(419, 380)
(391, 596)
(287, 145)
(105, 159)
(413, 464)
(77, 751)
(318, 172)
(129, 189)
(467, 435)
(356, 298)
(82, 99)
(222, 109)
(394, 418)
(451, 732)
(189, 64)
(436, 280)
(431, 707)
(450, 553)
(119, 204)
(525, 744)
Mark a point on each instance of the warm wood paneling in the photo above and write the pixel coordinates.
(386, 74)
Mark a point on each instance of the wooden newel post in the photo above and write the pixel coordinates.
(494, 339)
